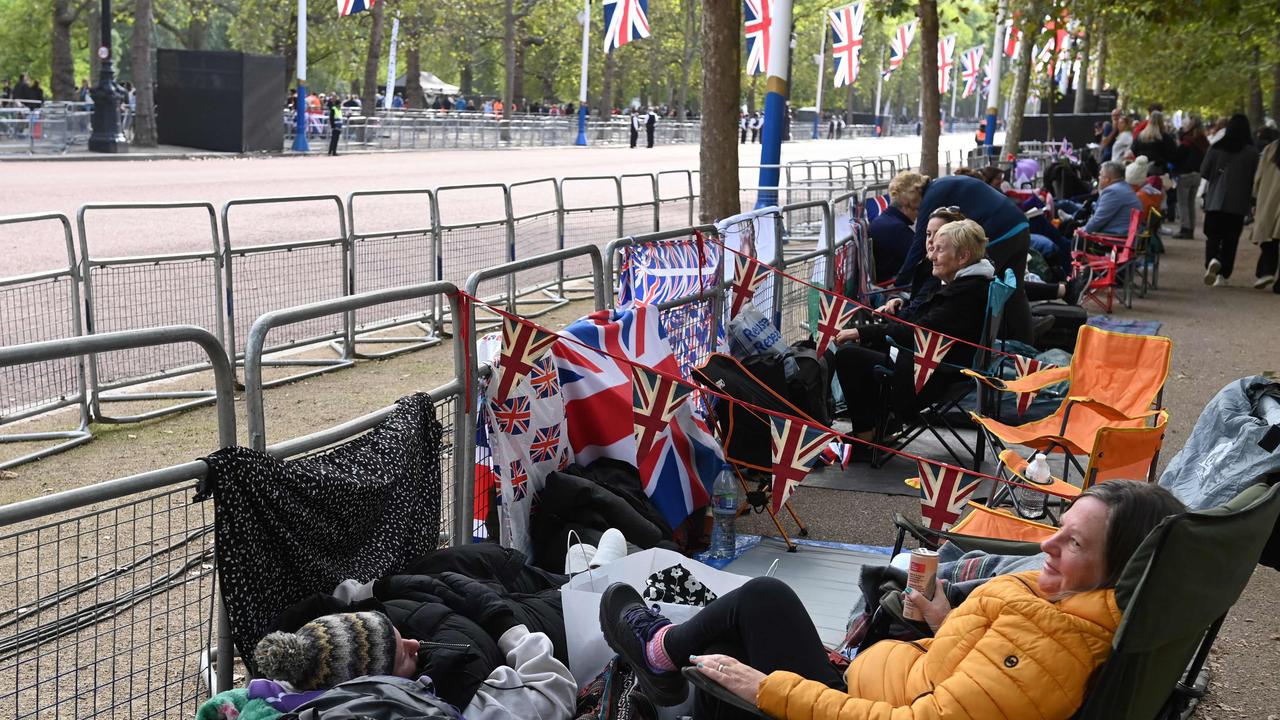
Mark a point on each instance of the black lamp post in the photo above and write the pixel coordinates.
(106, 135)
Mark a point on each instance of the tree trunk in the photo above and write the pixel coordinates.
(931, 105)
(197, 35)
(689, 46)
(1082, 74)
(1099, 75)
(368, 100)
(144, 120)
(95, 41)
(721, 80)
(1018, 105)
(605, 110)
(465, 80)
(509, 56)
(1253, 109)
(413, 72)
(62, 83)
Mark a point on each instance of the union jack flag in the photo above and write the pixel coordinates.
(546, 444)
(1012, 36)
(654, 273)
(838, 452)
(522, 345)
(350, 7)
(971, 68)
(654, 400)
(899, 44)
(512, 415)
(544, 379)
(834, 312)
(624, 21)
(748, 274)
(846, 42)
(757, 20)
(1025, 366)
(876, 205)
(796, 449)
(943, 493)
(946, 62)
(519, 476)
(930, 349)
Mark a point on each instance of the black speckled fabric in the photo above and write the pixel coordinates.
(361, 510)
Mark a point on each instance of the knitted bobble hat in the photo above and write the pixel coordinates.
(329, 650)
(1135, 173)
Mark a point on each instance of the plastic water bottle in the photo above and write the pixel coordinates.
(1031, 502)
(724, 511)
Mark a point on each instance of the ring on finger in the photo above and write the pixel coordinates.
(721, 668)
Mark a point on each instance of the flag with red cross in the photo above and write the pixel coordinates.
(522, 345)
(654, 400)
(796, 449)
(930, 349)
(834, 312)
(944, 490)
(748, 274)
(1025, 366)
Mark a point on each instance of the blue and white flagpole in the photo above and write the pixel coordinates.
(582, 85)
(300, 132)
(775, 103)
(993, 95)
(821, 57)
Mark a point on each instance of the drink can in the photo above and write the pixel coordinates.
(921, 578)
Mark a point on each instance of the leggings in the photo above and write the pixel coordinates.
(763, 624)
(1012, 253)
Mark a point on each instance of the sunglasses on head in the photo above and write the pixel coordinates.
(949, 210)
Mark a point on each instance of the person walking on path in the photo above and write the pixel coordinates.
(650, 123)
(1266, 217)
(635, 127)
(1229, 167)
(335, 126)
(1192, 146)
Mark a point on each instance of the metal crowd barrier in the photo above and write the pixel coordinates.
(675, 189)
(263, 277)
(38, 307)
(110, 603)
(537, 228)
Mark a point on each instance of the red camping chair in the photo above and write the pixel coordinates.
(1117, 255)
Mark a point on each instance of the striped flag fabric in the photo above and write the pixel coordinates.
(834, 312)
(748, 274)
(846, 42)
(624, 21)
(875, 205)
(351, 7)
(943, 493)
(796, 449)
(970, 69)
(522, 345)
(757, 20)
(929, 351)
(655, 399)
(899, 44)
(946, 62)
(1012, 36)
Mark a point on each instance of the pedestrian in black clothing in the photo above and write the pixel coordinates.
(635, 127)
(650, 122)
(1229, 167)
(335, 126)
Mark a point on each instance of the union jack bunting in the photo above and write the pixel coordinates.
(519, 476)
(543, 379)
(757, 20)
(748, 274)
(930, 349)
(834, 312)
(796, 449)
(512, 416)
(876, 204)
(846, 42)
(943, 493)
(1025, 366)
(546, 444)
(654, 400)
(838, 452)
(624, 21)
(899, 44)
(970, 69)
(350, 7)
(522, 345)
(946, 62)
(1012, 36)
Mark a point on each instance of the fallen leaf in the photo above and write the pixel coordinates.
(6, 475)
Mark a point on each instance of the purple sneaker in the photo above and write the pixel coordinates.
(628, 625)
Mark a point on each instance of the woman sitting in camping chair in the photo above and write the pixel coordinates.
(1022, 645)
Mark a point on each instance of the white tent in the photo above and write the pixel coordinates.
(431, 85)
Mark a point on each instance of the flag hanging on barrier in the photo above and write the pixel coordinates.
(834, 312)
(899, 44)
(970, 69)
(655, 272)
(929, 351)
(351, 7)
(748, 275)
(796, 449)
(522, 345)
(946, 62)
(757, 20)
(846, 42)
(655, 399)
(624, 21)
(943, 493)
(876, 204)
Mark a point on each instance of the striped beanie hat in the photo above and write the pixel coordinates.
(329, 650)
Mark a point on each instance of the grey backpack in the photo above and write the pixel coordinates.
(378, 697)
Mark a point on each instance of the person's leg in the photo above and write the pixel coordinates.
(1230, 241)
(855, 367)
(1038, 291)
(1011, 253)
(1268, 261)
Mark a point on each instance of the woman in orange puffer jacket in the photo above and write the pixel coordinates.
(1020, 646)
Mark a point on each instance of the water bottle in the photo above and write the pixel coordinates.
(724, 510)
(1031, 502)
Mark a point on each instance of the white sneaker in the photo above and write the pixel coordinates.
(1262, 282)
(1220, 282)
(578, 558)
(612, 546)
(1211, 272)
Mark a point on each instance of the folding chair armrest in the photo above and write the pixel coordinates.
(1026, 383)
(719, 692)
(926, 537)
(1111, 241)
(1102, 409)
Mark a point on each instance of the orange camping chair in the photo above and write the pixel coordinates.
(1118, 453)
(1116, 382)
(1119, 254)
(980, 528)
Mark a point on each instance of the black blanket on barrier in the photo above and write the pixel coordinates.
(361, 510)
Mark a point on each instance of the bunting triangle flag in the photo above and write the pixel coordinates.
(522, 345)
(748, 274)
(796, 449)
(834, 312)
(930, 349)
(1025, 366)
(944, 490)
(654, 401)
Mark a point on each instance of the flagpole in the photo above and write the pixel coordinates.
(391, 65)
(775, 103)
(300, 132)
(993, 95)
(879, 87)
(582, 84)
(822, 58)
(955, 83)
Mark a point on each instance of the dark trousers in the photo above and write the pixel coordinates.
(1011, 253)
(1037, 291)
(855, 367)
(1222, 236)
(1268, 260)
(648, 137)
(763, 624)
(742, 135)
(334, 134)
(635, 135)
(754, 134)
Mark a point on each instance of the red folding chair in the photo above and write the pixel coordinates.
(1118, 255)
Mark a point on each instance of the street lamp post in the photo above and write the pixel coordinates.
(106, 136)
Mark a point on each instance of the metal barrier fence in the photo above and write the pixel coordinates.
(53, 127)
(110, 601)
(34, 308)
